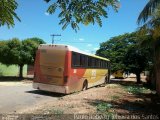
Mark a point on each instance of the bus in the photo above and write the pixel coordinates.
(66, 69)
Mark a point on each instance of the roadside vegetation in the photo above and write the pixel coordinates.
(16, 52)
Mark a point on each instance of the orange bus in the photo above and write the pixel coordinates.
(65, 69)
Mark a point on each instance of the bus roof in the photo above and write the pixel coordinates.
(100, 57)
(70, 48)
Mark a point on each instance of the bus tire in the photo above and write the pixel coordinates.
(85, 85)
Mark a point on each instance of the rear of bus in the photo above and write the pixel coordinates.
(51, 66)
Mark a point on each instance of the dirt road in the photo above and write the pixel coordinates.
(118, 97)
(19, 96)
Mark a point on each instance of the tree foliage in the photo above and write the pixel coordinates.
(19, 52)
(148, 11)
(150, 17)
(115, 50)
(136, 60)
(71, 12)
(125, 53)
(7, 12)
(74, 12)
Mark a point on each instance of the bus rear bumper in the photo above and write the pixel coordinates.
(51, 88)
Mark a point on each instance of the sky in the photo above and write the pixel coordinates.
(35, 22)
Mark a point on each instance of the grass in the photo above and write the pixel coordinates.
(11, 70)
(114, 97)
(105, 109)
(56, 111)
(136, 89)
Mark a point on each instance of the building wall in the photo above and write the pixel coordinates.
(12, 70)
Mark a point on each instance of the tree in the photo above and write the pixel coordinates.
(125, 54)
(148, 11)
(37, 40)
(19, 52)
(29, 48)
(150, 17)
(74, 12)
(135, 60)
(115, 49)
(7, 12)
(10, 53)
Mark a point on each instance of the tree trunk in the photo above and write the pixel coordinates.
(138, 77)
(152, 78)
(21, 70)
(158, 79)
(157, 70)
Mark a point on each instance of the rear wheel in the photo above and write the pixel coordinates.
(85, 85)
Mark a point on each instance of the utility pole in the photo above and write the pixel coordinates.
(53, 35)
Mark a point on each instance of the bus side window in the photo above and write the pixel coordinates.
(82, 60)
(75, 59)
(106, 64)
(100, 62)
(86, 61)
(93, 63)
(89, 62)
(96, 63)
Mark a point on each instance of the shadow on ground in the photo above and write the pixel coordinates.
(124, 82)
(14, 78)
(46, 93)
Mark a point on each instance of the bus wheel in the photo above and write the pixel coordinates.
(85, 85)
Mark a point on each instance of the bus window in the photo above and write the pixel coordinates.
(97, 63)
(89, 62)
(106, 64)
(93, 63)
(85, 61)
(82, 60)
(75, 59)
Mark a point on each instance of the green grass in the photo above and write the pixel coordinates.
(136, 89)
(11, 70)
(114, 97)
(103, 107)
